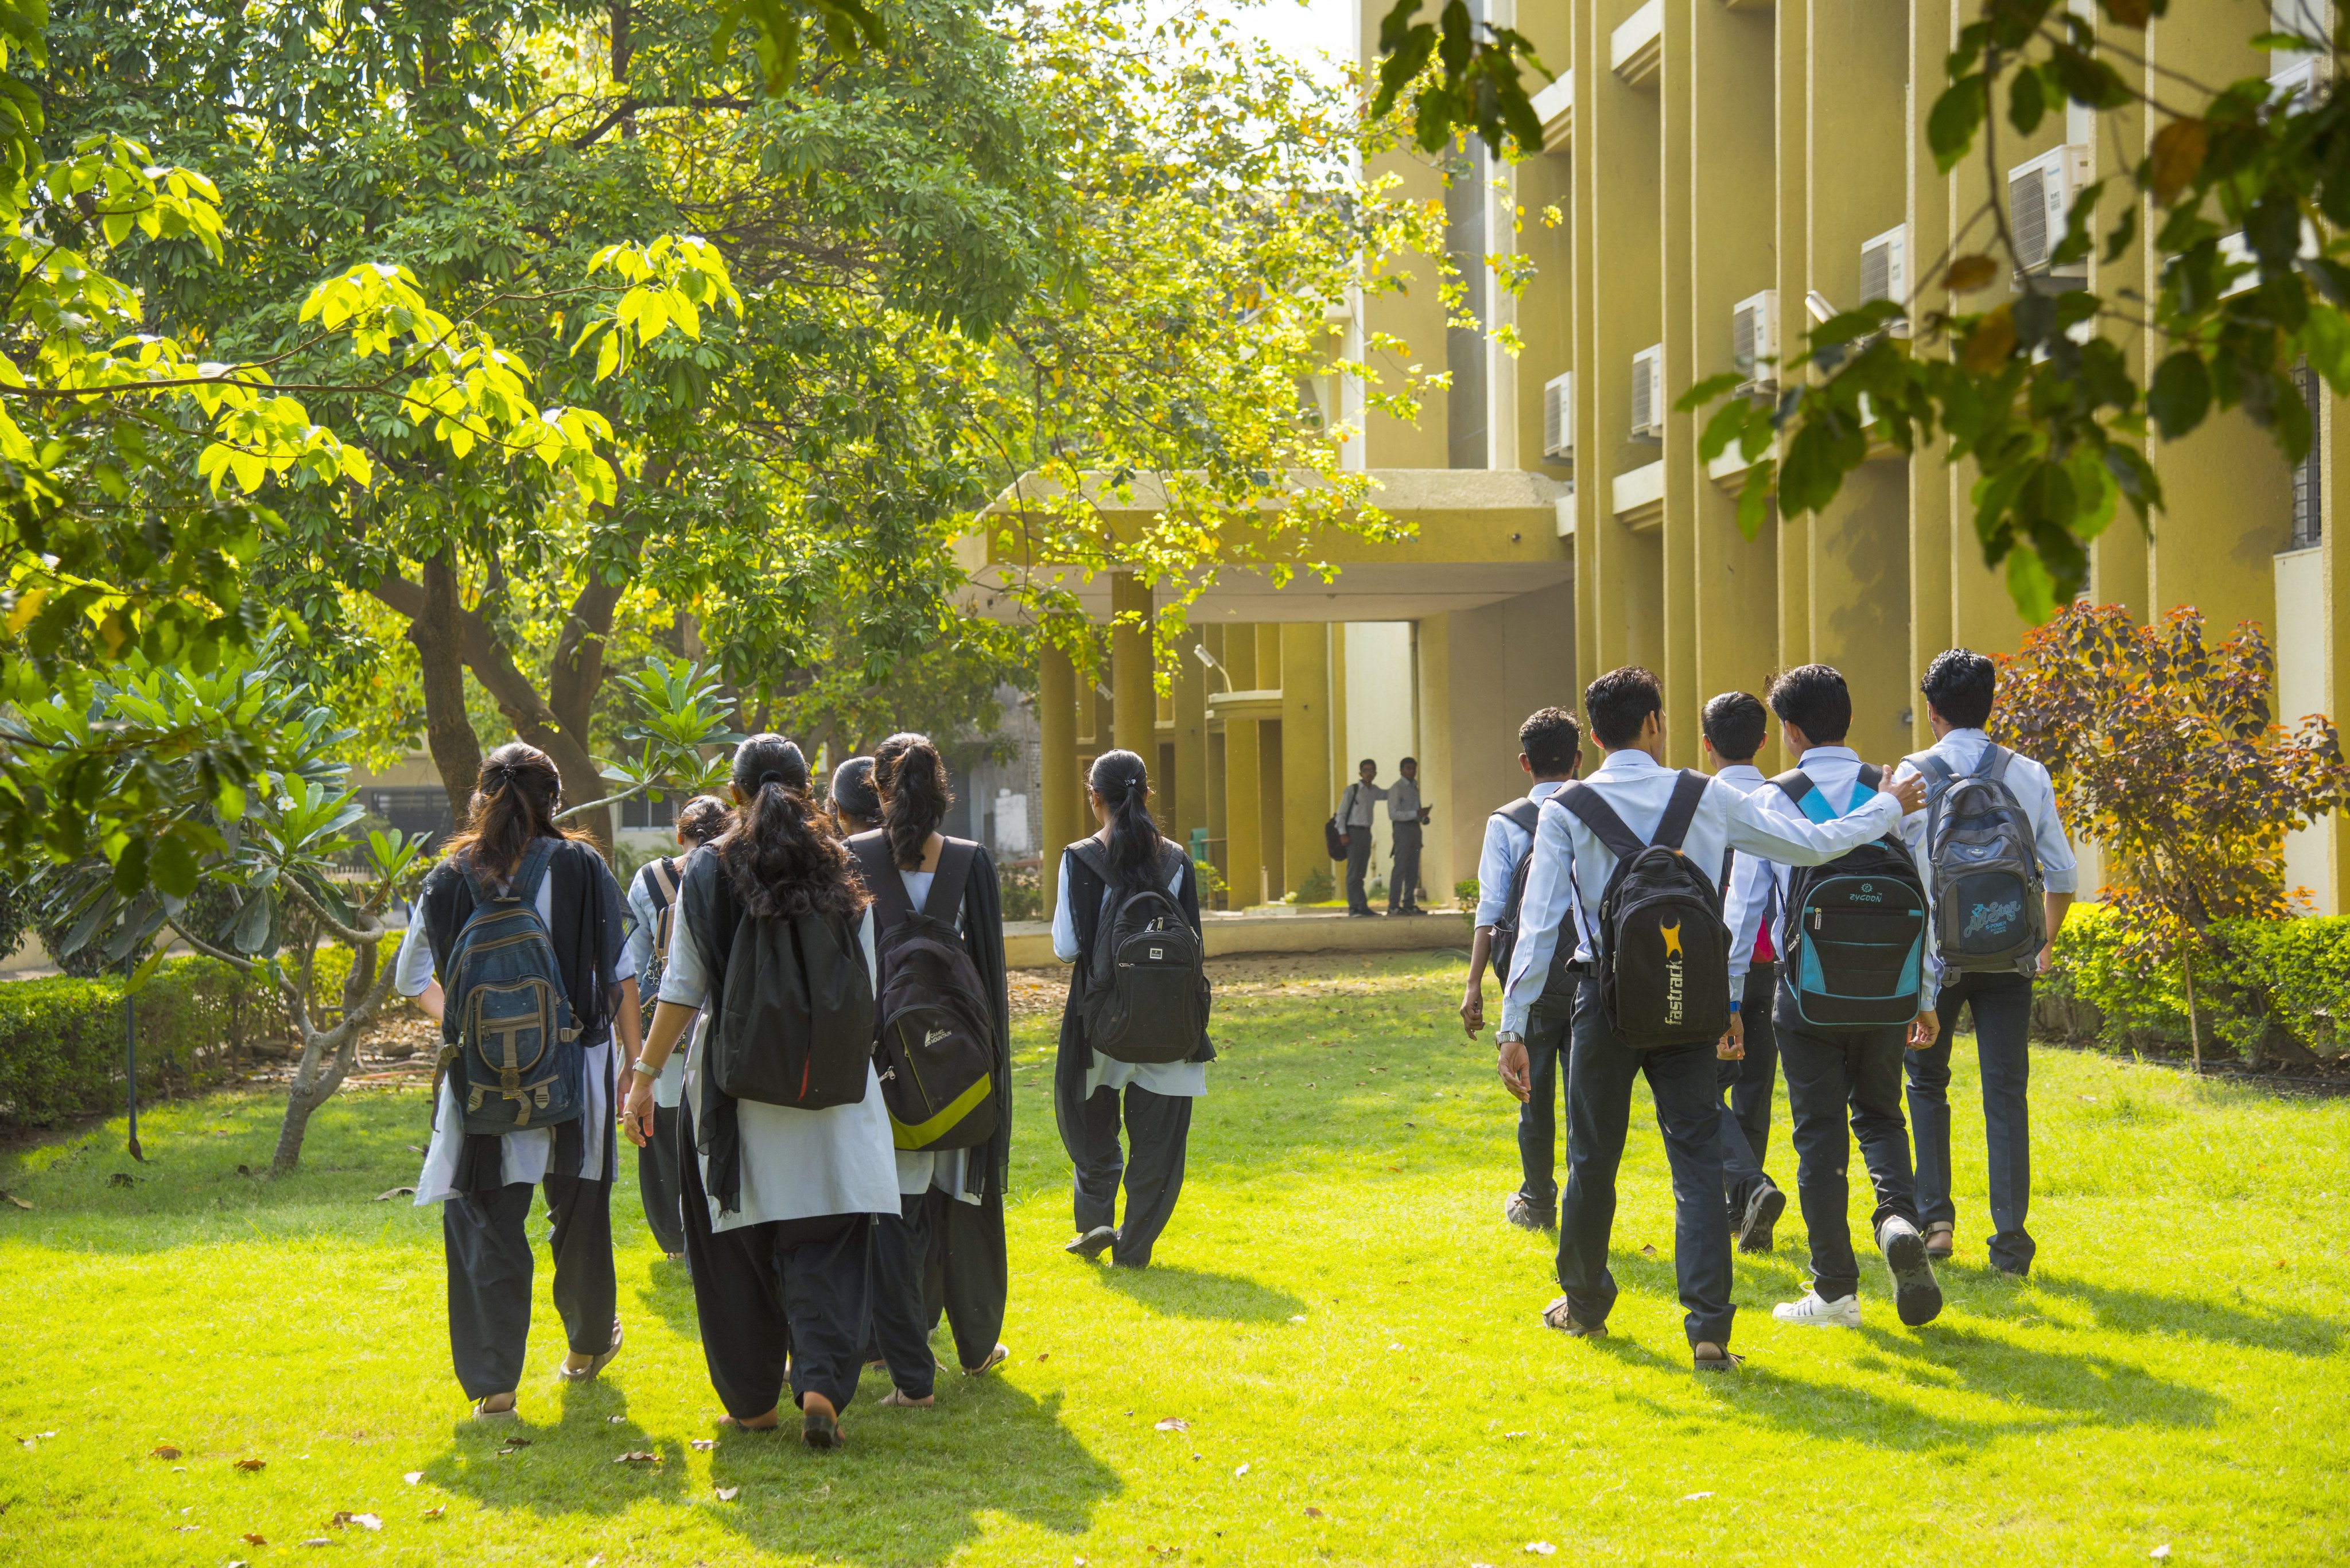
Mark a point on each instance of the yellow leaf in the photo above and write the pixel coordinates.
(29, 605)
(1969, 274)
(2175, 158)
(1990, 344)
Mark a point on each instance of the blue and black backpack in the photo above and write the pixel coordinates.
(1853, 938)
(508, 1040)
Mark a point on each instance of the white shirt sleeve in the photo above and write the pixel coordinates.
(1496, 868)
(1064, 925)
(685, 978)
(1754, 829)
(641, 925)
(2058, 869)
(1753, 880)
(1550, 892)
(413, 970)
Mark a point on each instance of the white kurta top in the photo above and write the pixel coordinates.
(524, 1155)
(795, 1165)
(644, 925)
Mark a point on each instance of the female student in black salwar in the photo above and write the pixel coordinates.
(1091, 1093)
(945, 1255)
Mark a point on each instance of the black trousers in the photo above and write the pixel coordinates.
(1403, 877)
(1831, 1077)
(899, 1326)
(2003, 1010)
(1599, 1075)
(487, 1243)
(1747, 1086)
(1550, 1024)
(656, 1167)
(1358, 865)
(965, 1270)
(1158, 1129)
(792, 1291)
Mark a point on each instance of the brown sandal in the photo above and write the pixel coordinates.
(1559, 1315)
(587, 1373)
(1941, 1239)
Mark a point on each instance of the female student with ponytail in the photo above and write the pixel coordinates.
(780, 1202)
(945, 1253)
(513, 846)
(1088, 1087)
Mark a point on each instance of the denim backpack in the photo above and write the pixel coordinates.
(507, 1035)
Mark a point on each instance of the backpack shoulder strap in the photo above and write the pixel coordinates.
(664, 876)
(1794, 784)
(1939, 774)
(1596, 814)
(955, 862)
(882, 878)
(1681, 810)
(1526, 812)
(1091, 853)
(532, 872)
(1872, 777)
(1992, 766)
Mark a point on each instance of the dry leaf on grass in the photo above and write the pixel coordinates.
(14, 1199)
(317, 1540)
(704, 1445)
(1044, 1355)
(413, 1149)
(1173, 1424)
(1541, 1548)
(1697, 1497)
(1242, 1470)
(639, 1457)
(252, 1464)
(166, 1452)
(395, 1192)
(251, 1538)
(509, 1449)
(1312, 1513)
(616, 1420)
(436, 1510)
(124, 1179)
(413, 1477)
(364, 1520)
(1513, 1433)
(727, 1493)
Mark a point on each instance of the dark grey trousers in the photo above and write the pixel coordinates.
(900, 1329)
(2001, 1005)
(965, 1271)
(1549, 1023)
(1158, 1128)
(487, 1242)
(1403, 878)
(656, 1167)
(1747, 1085)
(1358, 865)
(1832, 1078)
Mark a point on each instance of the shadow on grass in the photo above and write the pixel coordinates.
(668, 1293)
(986, 1450)
(2119, 1310)
(1173, 1291)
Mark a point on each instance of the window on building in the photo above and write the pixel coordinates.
(1465, 414)
(2309, 474)
(640, 812)
(421, 809)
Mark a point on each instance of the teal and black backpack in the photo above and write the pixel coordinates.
(508, 1040)
(1851, 941)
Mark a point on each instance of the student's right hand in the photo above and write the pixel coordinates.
(1911, 791)
(636, 1114)
(1731, 1046)
(1472, 1009)
(1515, 1070)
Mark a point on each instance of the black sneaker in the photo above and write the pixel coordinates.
(1093, 1243)
(1518, 1211)
(1917, 1294)
(1763, 1211)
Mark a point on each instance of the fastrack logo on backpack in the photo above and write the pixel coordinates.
(1674, 991)
(1992, 918)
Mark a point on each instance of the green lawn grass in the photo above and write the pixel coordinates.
(1338, 1311)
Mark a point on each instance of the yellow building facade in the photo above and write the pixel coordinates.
(1709, 166)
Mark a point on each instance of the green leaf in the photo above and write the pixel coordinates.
(1754, 498)
(2181, 393)
(2029, 585)
(1705, 391)
(173, 868)
(2025, 102)
(130, 868)
(1950, 126)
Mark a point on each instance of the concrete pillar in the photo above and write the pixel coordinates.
(1056, 722)
(1187, 788)
(1136, 708)
(1243, 822)
(1272, 829)
(1307, 791)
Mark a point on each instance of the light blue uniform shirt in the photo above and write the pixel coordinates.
(2029, 782)
(1568, 860)
(644, 925)
(1497, 864)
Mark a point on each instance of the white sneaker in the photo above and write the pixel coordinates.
(1814, 1312)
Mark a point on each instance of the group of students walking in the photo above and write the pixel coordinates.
(1708, 932)
(820, 1093)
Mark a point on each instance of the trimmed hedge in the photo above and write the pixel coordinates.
(62, 1040)
(2270, 990)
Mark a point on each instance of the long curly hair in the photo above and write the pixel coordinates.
(514, 800)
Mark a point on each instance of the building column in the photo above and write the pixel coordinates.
(1056, 725)
(1135, 707)
(1307, 792)
(1186, 805)
(1243, 825)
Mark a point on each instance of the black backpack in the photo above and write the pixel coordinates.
(1985, 862)
(1663, 953)
(1146, 978)
(661, 878)
(1526, 813)
(937, 1050)
(795, 1021)
(1853, 938)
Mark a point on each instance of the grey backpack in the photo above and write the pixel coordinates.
(1984, 866)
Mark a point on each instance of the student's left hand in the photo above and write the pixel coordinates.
(1923, 1031)
(1731, 1046)
(1472, 1009)
(637, 1115)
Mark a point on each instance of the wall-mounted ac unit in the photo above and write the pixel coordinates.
(1885, 273)
(2040, 203)
(1754, 338)
(1649, 393)
(1558, 418)
(2304, 80)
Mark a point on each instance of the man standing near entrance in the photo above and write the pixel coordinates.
(1406, 817)
(1355, 819)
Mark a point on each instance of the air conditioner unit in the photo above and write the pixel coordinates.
(2040, 203)
(1649, 394)
(2303, 81)
(2235, 248)
(1754, 338)
(1885, 273)
(1558, 418)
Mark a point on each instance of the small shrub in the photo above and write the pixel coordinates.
(1314, 887)
(61, 1038)
(1466, 892)
(2268, 990)
(1023, 893)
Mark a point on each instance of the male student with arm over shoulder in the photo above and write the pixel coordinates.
(1959, 688)
(1638, 799)
(1735, 724)
(1549, 746)
(1354, 807)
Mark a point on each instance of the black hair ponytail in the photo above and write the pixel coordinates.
(1124, 786)
(911, 779)
(781, 856)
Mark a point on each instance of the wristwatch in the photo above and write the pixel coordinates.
(1509, 1037)
(639, 1067)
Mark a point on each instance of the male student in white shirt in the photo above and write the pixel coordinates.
(1356, 803)
(1840, 1073)
(1959, 688)
(1735, 725)
(1550, 749)
(1569, 874)
(1406, 817)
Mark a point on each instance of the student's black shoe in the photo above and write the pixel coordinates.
(1763, 1211)
(1917, 1294)
(1093, 1243)
(1525, 1216)
(820, 1428)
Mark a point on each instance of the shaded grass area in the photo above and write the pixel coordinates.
(1339, 1314)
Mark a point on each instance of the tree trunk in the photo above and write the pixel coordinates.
(329, 1056)
(456, 751)
(289, 1134)
(2194, 1033)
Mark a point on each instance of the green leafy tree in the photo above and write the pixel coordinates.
(2164, 752)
